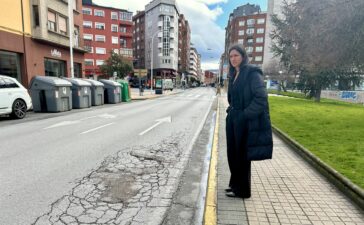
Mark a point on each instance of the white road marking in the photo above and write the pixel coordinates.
(63, 123)
(159, 121)
(88, 131)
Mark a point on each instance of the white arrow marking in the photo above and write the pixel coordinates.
(64, 123)
(88, 131)
(159, 121)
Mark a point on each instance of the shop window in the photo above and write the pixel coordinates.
(10, 64)
(54, 68)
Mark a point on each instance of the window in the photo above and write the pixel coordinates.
(86, 11)
(54, 68)
(241, 32)
(114, 27)
(100, 26)
(99, 13)
(101, 51)
(88, 37)
(100, 38)
(250, 31)
(259, 49)
(259, 40)
(87, 24)
(7, 83)
(126, 16)
(114, 15)
(258, 58)
(250, 22)
(10, 64)
(240, 41)
(116, 51)
(260, 30)
(261, 21)
(35, 15)
(99, 62)
(52, 21)
(249, 49)
(126, 52)
(122, 42)
(114, 40)
(62, 24)
(89, 48)
(123, 29)
(89, 62)
(241, 23)
(250, 40)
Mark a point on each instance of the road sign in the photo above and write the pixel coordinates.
(140, 72)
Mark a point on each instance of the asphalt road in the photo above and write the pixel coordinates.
(44, 157)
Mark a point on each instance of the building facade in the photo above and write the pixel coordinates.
(34, 39)
(184, 44)
(247, 27)
(139, 40)
(106, 29)
(161, 38)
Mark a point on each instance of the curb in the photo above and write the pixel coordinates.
(351, 190)
(210, 215)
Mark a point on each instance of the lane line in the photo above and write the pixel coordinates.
(88, 131)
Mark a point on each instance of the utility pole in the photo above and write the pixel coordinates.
(70, 31)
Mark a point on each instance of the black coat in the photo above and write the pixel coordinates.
(249, 100)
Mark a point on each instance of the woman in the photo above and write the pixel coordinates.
(248, 128)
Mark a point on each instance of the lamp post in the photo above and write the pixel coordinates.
(151, 62)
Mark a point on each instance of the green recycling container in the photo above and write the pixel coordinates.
(124, 94)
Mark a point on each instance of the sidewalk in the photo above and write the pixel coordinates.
(148, 94)
(285, 190)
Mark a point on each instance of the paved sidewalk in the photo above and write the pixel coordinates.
(148, 94)
(285, 190)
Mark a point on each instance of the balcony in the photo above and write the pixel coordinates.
(171, 35)
(160, 34)
(160, 24)
(160, 45)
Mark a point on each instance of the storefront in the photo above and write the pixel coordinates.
(54, 68)
(10, 64)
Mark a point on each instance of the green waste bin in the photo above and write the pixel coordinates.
(124, 94)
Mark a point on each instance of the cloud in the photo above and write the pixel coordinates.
(207, 37)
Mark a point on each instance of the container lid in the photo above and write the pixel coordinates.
(94, 82)
(110, 82)
(54, 81)
(78, 82)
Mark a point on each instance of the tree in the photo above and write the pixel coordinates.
(321, 41)
(116, 63)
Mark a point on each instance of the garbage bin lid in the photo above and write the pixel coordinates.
(78, 82)
(94, 82)
(110, 82)
(54, 81)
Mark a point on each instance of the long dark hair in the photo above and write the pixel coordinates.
(245, 61)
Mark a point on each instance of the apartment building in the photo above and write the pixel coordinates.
(193, 67)
(184, 44)
(106, 29)
(161, 38)
(139, 40)
(247, 27)
(35, 37)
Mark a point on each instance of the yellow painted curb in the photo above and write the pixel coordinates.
(209, 217)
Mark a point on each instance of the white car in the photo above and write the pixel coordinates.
(14, 98)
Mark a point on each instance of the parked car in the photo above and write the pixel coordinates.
(14, 98)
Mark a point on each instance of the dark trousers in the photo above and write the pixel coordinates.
(240, 167)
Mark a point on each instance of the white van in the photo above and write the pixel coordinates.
(168, 84)
(14, 98)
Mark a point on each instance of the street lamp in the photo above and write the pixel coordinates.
(151, 62)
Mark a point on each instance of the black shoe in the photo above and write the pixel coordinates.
(228, 190)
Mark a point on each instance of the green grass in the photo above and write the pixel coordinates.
(288, 93)
(332, 130)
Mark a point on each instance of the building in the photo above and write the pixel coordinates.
(247, 27)
(193, 68)
(184, 40)
(209, 77)
(274, 7)
(106, 29)
(34, 39)
(161, 38)
(139, 40)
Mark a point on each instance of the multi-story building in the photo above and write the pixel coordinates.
(274, 7)
(246, 26)
(184, 41)
(106, 29)
(35, 37)
(161, 38)
(209, 77)
(139, 40)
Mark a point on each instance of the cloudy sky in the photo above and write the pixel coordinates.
(207, 19)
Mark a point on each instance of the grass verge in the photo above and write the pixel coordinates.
(332, 130)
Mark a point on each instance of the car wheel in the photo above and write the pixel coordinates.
(19, 109)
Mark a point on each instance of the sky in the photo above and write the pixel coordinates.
(207, 19)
